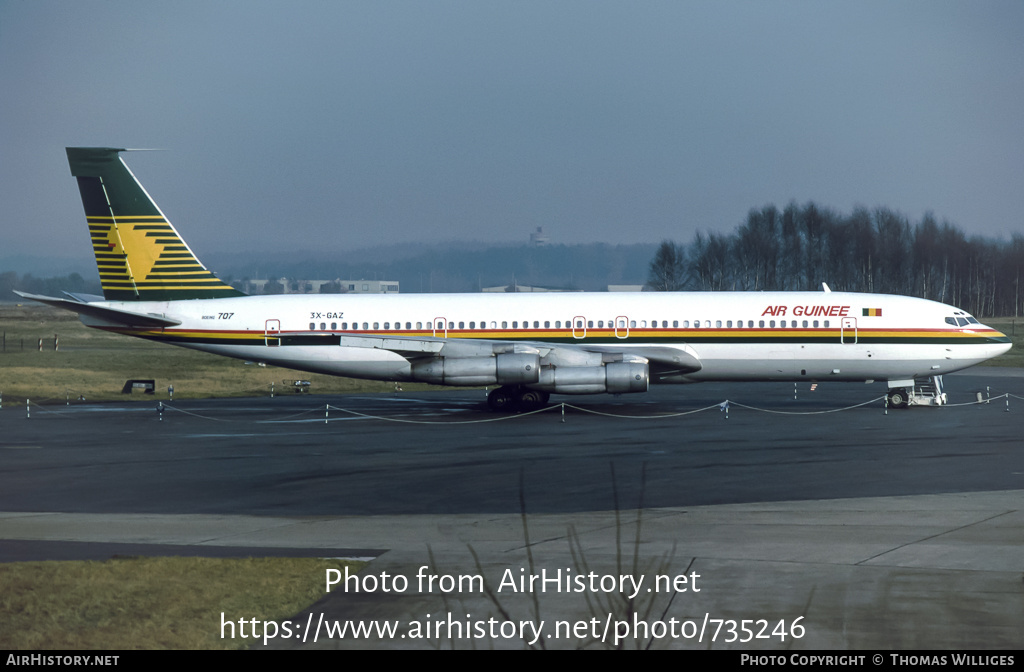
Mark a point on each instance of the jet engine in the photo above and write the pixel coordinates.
(502, 369)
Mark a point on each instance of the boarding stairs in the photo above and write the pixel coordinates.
(927, 392)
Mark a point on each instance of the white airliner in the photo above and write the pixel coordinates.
(529, 345)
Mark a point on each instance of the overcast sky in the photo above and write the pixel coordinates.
(335, 125)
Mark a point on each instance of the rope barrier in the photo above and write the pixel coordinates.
(444, 422)
(723, 406)
(831, 410)
(981, 402)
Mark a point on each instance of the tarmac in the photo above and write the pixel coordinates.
(934, 571)
(890, 573)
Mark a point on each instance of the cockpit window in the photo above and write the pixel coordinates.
(961, 321)
(951, 320)
(971, 320)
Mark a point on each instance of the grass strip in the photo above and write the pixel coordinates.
(152, 602)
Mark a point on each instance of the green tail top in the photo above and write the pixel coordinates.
(140, 255)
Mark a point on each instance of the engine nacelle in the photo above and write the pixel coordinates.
(614, 377)
(504, 369)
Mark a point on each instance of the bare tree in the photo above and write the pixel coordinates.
(668, 268)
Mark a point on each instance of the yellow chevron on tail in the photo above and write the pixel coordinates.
(139, 254)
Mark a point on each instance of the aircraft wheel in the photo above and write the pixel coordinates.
(898, 398)
(531, 400)
(502, 399)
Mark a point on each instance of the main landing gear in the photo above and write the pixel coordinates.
(514, 398)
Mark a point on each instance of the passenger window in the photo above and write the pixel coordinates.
(826, 324)
(718, 324)
(547, 324)
(387, 325)
(376, 325)
(675, 323)
(696, 324)
(760, 324)
(771, 323)
(728, 324)
(558, 324)
(600, 324)
(344, 326)
(632, 323)
(643, 323)
(334, 326)
(536, 324)
(366, 326)
(312, 326)
(815, 324)
(590, 324)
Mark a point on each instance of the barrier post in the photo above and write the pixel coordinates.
(28, 409)
(327, 409)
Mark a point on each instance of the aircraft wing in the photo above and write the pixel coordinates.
(102, 315)
(663, 360)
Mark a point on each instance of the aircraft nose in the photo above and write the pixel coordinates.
(999, 343)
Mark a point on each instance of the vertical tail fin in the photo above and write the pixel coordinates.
(140, 255)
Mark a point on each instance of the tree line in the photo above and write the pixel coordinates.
(55, 286)
(877, 251)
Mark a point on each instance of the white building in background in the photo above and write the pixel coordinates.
(538, 238)
(523, 288)
(292, 286)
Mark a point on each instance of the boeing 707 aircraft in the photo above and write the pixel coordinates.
(529, 345)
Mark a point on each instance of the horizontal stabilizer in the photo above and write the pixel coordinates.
(112, 316)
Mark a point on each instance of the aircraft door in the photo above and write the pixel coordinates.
(579, 327)
(848, 332)
(272, 333)
(441, 327)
